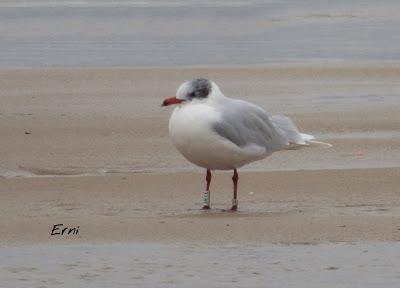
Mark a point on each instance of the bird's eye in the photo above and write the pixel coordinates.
(191, 95)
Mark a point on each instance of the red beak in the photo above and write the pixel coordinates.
(171, 101)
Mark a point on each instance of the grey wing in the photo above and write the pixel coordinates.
(244, 123)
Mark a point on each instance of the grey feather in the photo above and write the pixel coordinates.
(296, 139)
(244, 123)
(287, 127)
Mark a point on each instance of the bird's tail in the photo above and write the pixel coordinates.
(310, 141)
(295, 139)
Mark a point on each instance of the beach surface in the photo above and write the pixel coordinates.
(89, 148)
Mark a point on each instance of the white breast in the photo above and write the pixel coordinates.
(190, 128)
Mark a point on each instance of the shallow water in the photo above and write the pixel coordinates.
(184, 33)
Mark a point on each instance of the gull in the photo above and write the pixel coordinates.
(219, 133)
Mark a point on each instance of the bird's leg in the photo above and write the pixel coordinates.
(206, 195)
(235, 179)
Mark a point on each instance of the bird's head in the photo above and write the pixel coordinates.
(199, 89)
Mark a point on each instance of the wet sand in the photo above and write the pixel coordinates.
(90, 148)
(99, 121)
(289, 207)
(159, 265)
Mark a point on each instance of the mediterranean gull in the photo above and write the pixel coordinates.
(220, 133)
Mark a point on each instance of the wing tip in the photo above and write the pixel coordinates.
(319, 144)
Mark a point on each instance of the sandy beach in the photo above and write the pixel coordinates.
(93, 193)
(90, 148)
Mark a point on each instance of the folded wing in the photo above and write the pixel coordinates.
(245, 124)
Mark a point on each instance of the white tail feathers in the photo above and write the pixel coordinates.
(309, 140)
(295, 139)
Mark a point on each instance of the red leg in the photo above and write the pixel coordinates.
(235, 179)
(208, 179)
(207, 194)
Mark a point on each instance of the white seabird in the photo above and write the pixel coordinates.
(220, 133)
